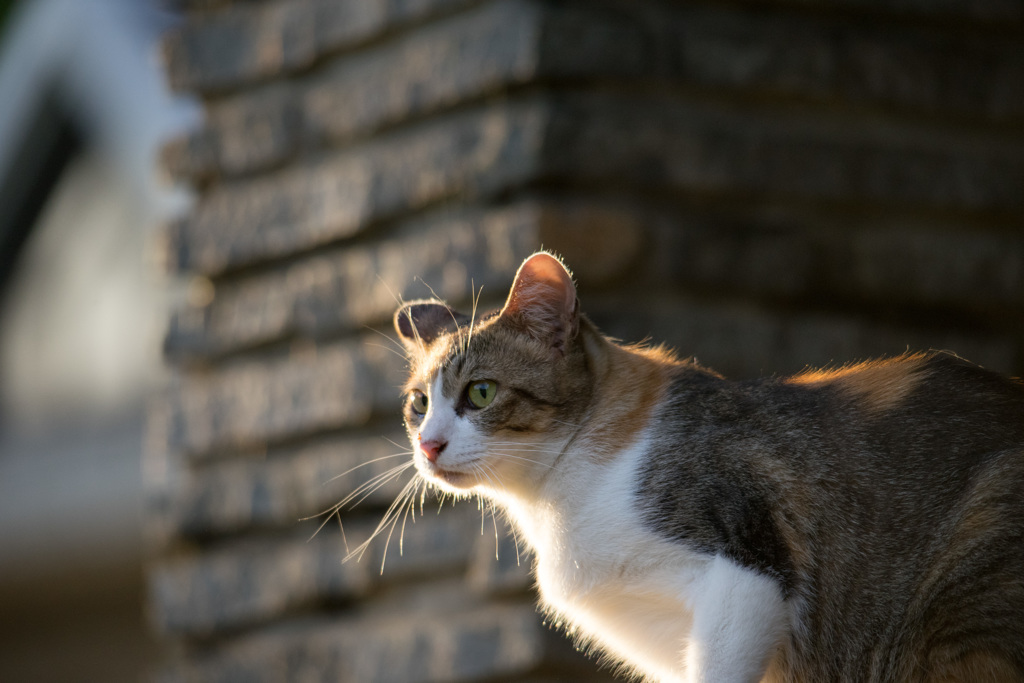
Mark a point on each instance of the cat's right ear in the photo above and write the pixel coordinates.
(543, 302)
(419, 323)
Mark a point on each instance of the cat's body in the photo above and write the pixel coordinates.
(865, 524)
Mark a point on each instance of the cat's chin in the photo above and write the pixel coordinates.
(449, 479)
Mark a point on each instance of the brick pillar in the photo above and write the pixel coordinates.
(764, 184)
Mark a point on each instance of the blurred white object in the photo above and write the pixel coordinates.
(80, 329)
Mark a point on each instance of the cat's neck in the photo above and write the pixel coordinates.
(626, 386)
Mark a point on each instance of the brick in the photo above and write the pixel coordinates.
(348, 287)
(252, 581)
(809, 258)
(452, 250)
(472, 153)
(474, 54)
(1001, 11)
(501, 45)
(466, 645)
(669, 145)
(237, 494)
(478, 52)
(498, 567)
(976, 271)
(650, 143)
(250, 404)
(799, 257)
(249, 42)
(906, 68)
(240, 586)
(742, 340)
(256, 132)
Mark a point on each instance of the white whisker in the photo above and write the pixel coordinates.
(396, 444)
(368, 488)
(368, 462)
(397, 344)
(403, 356)
(360, 550)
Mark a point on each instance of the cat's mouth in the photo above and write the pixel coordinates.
(458, 477)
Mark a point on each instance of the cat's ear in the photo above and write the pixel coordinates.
(421, 322)
(543, 302)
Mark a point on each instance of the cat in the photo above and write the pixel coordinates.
(859, 524)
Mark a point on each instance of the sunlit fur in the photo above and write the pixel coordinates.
(865, 524)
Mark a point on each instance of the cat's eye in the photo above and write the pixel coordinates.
(418, 402)
(481, 392)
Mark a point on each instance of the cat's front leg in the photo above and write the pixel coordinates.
(739, 621)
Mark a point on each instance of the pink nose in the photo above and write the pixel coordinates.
(432, 449)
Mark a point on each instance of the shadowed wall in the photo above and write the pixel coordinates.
(763, 184)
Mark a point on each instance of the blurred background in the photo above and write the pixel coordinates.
(83, 110)
(208, 209)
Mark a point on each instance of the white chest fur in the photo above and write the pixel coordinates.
(668, 611)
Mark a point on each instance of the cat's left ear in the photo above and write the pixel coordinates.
(543, 302)
(421, 322)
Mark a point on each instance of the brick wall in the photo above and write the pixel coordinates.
(764, 184)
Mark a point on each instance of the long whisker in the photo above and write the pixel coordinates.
(494, 522)
(360, 550)
(472, 316)
(396, 343)
(373, 484)
(394, 443)
(401, 498)
(341, 529)
(398, 300)
(369, 487)
(526, 446)
(515, 449)
(403, 356)
(368, 462)
(515, 541)
(521, 459)
(410, 505)
(495, 482)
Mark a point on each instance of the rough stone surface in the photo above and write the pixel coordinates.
(671, 145)
(500, 642)
(283, 486)
(348, 287)
(434, 255)
(243, 583)
(505, 44)
(253, 41)
(767, 184)
(809, 258)
(910, 69)
(649, 144)
(477, 152)
(502, 566)
(899, 264)
(745, 341)
(250, 404)
(1002, 11)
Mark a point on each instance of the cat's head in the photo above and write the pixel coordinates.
(492, 401)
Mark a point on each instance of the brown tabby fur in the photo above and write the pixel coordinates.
(884, 500)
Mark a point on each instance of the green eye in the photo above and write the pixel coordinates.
(481, 393)
(418, 401)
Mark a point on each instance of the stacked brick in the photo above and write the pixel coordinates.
(765, 184)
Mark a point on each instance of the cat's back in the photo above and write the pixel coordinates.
(887, 500)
